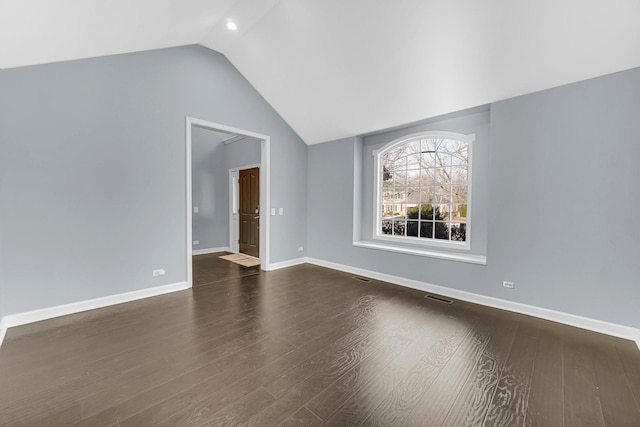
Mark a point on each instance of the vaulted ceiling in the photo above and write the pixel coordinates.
(338, 68)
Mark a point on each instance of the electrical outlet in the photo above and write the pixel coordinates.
(196, 242)
(195, 209)
(300, 248)
(508, 285)
(159, 272)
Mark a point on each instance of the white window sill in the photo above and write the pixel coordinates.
(451, 256)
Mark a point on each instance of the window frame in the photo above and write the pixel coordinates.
(378, 186)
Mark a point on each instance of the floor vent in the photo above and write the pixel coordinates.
(439, 299)
(362, 279)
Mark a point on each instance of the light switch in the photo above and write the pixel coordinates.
(195, 209)
(273, 211)
(280, 211)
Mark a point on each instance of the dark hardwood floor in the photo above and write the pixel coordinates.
(309, 346)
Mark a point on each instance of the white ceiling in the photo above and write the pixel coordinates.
(337, 68)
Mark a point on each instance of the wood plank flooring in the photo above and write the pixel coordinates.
(307, 346)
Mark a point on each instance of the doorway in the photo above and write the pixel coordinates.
(249, 211)
(261, 224)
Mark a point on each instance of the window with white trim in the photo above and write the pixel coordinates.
(423, 190)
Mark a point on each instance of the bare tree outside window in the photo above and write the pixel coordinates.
(424, 189)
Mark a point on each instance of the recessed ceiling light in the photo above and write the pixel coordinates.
(232, 26)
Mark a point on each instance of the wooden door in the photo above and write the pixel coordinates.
(250, 212)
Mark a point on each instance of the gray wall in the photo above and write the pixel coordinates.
(330, 202)
(1, 244)
(3, 168)
(94, 171)
(562, 204)
(210, 182)
(3, 156)
(241, 153)
(565, 200)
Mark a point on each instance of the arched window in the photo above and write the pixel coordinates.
(423, 190)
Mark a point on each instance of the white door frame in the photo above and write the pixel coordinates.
(265, 189)
(234, 233)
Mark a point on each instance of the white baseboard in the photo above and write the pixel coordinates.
(613, 329)
(3, 330)
(210, 250)
(77, 307)
(288, 263)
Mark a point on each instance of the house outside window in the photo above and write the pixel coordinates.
(423, 190)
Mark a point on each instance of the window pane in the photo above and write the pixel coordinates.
(426, 211)
(387, 211)
(412, 147)
(387, 227)
(449, 145)
(399, 227)
(443, 159)
(457, 149)
(399, 195)
(387, 174)
(400, 164)
(430, 145)
(442, 195)
(387, 160)
(437, 214)
(413, 195)
(413, 162)
(413, 155)
(413, 178)
(459, 194)
(445, 212)
(427, 194)
(400, 178)
(441, 231)
(412, 211)
(460, 155)
(397, 152)
(427, 177)
(426, 229)
(428, 158)
(412, 228)
(399, 209)
(442, 176)
(387, 170)
(459, 175)
(459, 212)
(391, 156)
(458, 232)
